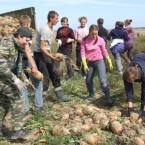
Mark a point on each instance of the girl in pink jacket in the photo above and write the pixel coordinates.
(93, 50)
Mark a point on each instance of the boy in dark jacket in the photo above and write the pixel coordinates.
(102, 31)
(135, 72)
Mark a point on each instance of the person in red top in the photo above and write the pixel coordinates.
(65, 37)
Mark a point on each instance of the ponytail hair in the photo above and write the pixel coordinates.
(92, 28)
(128, 21)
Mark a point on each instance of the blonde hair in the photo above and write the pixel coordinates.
(128, 21)
(24, 19)
(132, 71)
(82, 18)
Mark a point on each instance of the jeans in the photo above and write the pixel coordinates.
(98, 66)
(38, 90)
(118, 61)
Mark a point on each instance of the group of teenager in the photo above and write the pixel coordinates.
(91, 53)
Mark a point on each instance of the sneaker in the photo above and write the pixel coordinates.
(120, 72)
(45, 93)
(22, 135)
(90, 97)
(28, 115)
(41, 111)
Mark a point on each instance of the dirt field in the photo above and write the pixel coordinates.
(140, 31)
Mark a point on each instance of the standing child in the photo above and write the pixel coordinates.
(25, 21)
(135, 72)
(102, 31)
(93, 50)
(80, 32)
(65, 37)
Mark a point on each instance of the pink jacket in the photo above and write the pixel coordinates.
(80, 32)
(91, 51)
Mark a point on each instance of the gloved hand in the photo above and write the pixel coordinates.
(109, 62)
(20, 84)
(86, 69)
(59, 42)
(69, 40)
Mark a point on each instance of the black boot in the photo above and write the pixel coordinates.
(21, 134)
(142, 106)
(108, 99)
(61, 97)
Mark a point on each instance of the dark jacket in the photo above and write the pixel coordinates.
(103, 33)
(140, 60)
(118, 33)
(63, 33)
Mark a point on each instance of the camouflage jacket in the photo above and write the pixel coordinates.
(8, 55)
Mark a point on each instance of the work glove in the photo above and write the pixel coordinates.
(86, 69)
(59, 42)
(109, 62)
(20, 84)
(69, 40)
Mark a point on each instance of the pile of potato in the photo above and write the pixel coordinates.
(93, 121)
(8, 24)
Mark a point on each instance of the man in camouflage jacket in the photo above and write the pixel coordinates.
(11, 100)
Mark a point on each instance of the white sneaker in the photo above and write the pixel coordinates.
(45, 93)
(121, 73)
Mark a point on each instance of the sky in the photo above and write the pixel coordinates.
(110, 10)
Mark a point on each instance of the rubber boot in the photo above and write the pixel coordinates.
(61, 97)
(108, 99)
(90, 96)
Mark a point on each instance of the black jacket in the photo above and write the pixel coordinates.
(140, 60)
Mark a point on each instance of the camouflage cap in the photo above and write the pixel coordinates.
(23, 31)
